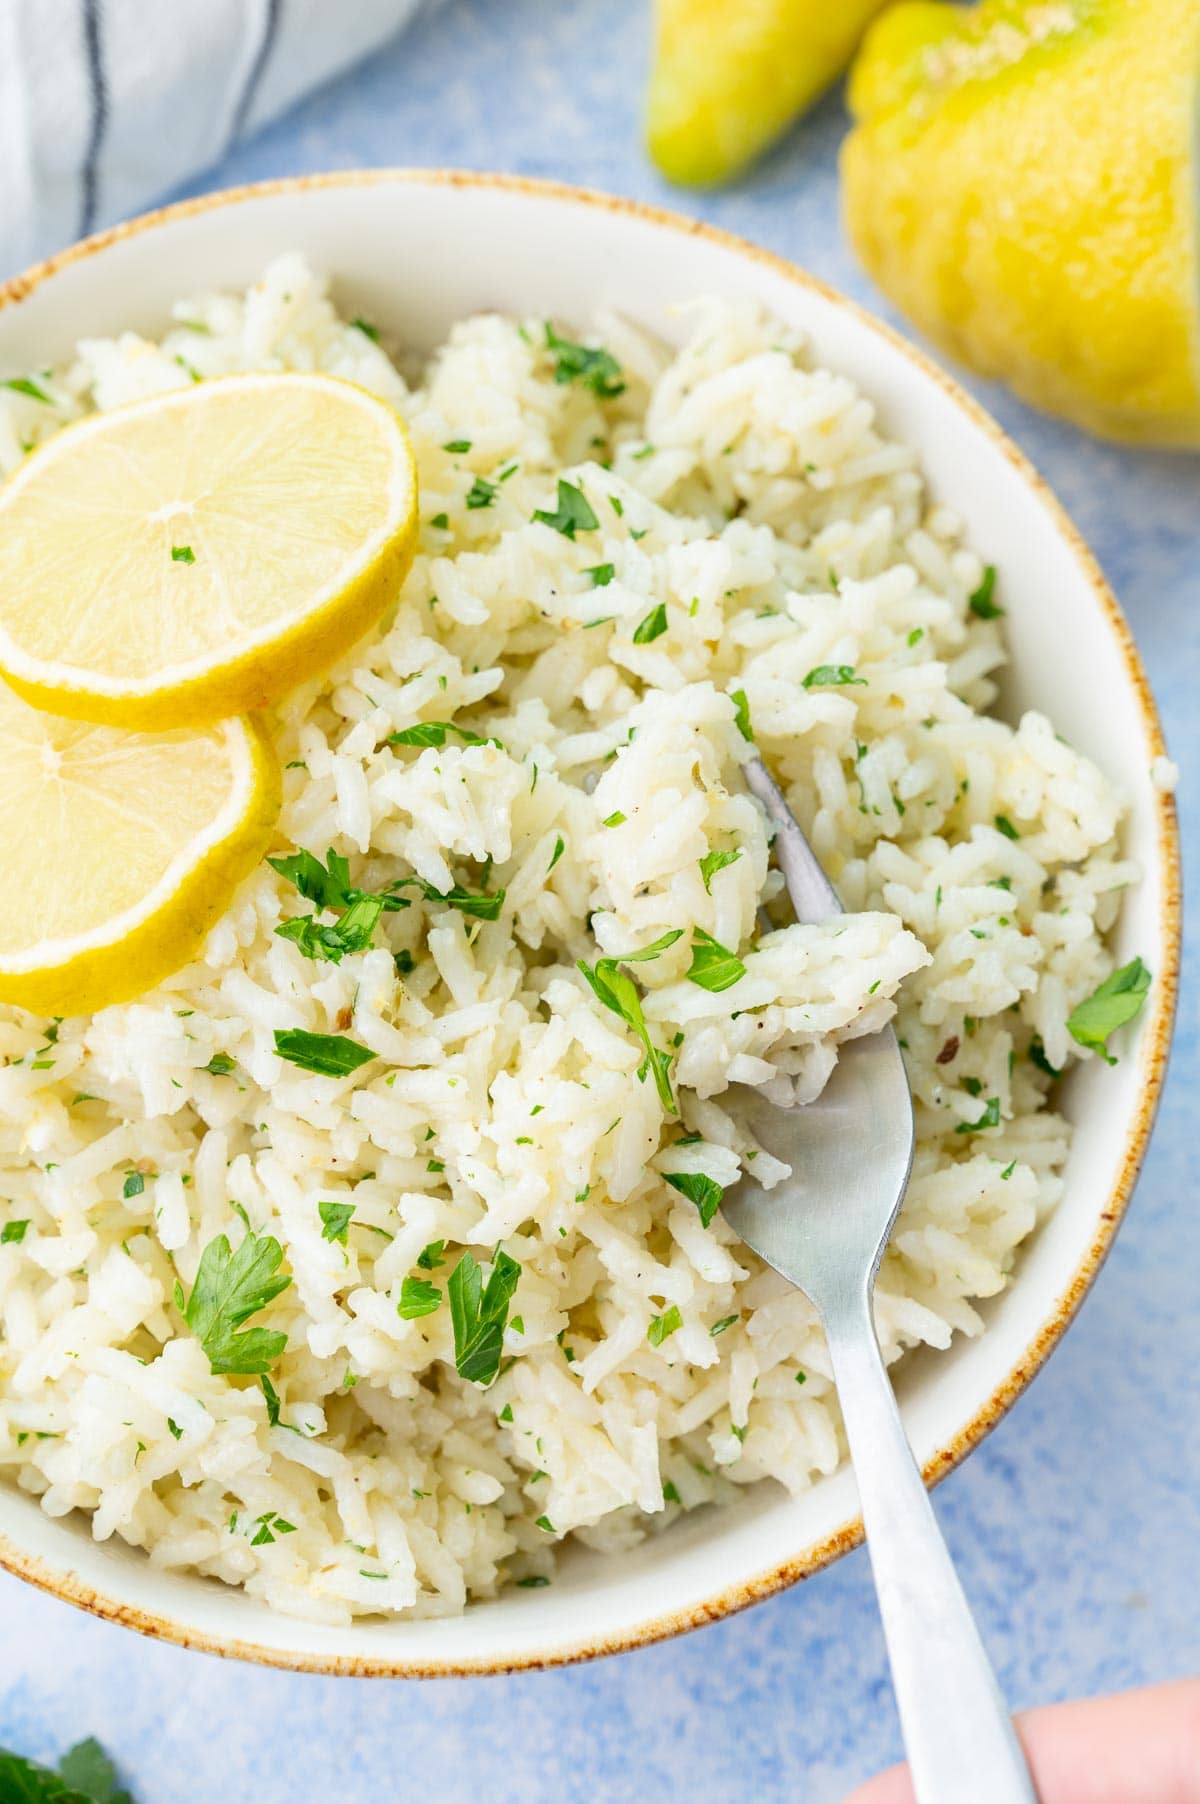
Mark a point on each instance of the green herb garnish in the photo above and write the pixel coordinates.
(433, 732)
(21, 385)
(741, 714)
(478, 1313)
(980, 602)
(662, 1327)
(573, 513)
(601, 575)
(618, 992)
(418, 1297)
(335, 1219)
(713, 966)
(230, 1287)
(1117, 1001)
(833, 676)
(700, 1189)
(989, 1119)
(652, 627)
(712, 862)
(329, 1055)
(596, 368)
(182, 554)
(481, 493)
(13, 1233)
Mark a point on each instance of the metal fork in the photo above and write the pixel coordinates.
(825, 1230)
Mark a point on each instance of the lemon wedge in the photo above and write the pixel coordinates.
(197, 554)
(120, 850)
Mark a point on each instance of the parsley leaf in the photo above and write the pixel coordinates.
(182, 554)
(618, 992)
(1006, 827)
(573, 513)
(989, 1119)
(329, 1055)
(228, 1288)
(335, 1219)
(597, 369)
(652, 627)
(21, 385)
(560, 846)
(418, 1297)
(662, 1327)
(478, 1314)
(433, 732)
(331, 942)
(981, 603)
(712, 862)
(482, 905)
(713, 966)
(832, 675)
(481, 493)
(13, 1233)
(726, 1321)
(700, 1189)
(430, 1257)
(1117, 1001)
(601, 575)
(741, 714)
(367, 329)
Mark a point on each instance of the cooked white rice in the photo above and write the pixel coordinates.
(752, 497)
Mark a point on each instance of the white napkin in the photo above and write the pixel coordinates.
(106, 104)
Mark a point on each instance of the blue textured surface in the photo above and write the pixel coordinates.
(1077, 1524)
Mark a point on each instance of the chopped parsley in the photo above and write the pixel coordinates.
(601, 575)
(700, 1189)
(367, 329)
(833, 676)
(573, 513)
(712, 862)
(652, 627)
(615, 819)
(1117, 1001)
(13, 1233)
(478, 1313)
(328, 886)
(433, 732)
(662, 1327)
(182, 554)
(594, 367)
(418, 1297)
(329, 1055)
(457, 446)
(481, 493)
(134, 1184)
(1006, 827)
(989, 1119)
(980, 601)
(481, 905)
(335, 1219)
(618, 992)
(431, 1256)
(230, 1287)
(221, 1064)
(22, 385)
(741, 714)
(560, 846)
(174, 1429)
(713, 966)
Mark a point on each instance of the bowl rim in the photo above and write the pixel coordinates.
(1155, 1037)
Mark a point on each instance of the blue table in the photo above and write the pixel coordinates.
(1076, 1526)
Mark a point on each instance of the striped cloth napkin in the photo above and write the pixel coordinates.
(106, 104)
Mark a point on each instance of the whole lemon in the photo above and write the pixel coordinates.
(1022, 183)
(730, 75)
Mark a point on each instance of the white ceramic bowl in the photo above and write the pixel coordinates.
(417, 250)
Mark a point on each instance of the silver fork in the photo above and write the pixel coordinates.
(825, 1230)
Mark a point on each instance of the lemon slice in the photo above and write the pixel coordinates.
(197, 554)
(120, 850)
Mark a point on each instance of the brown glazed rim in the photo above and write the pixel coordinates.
(1153, 1047)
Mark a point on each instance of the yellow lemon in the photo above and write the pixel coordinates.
(728, 78)
(120, 850)
(197, 554)
(1022, 182)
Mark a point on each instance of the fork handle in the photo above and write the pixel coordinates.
(959, 1736)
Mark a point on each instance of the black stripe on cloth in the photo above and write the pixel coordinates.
(89, 174)
(241, 111)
